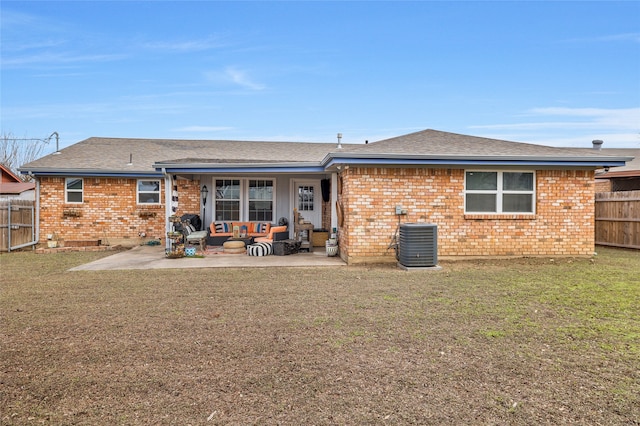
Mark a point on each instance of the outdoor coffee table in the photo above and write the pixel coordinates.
(236, 245)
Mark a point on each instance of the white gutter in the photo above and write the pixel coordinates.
(231, 165)
(454, 158)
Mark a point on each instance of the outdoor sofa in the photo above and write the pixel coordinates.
(219, 232)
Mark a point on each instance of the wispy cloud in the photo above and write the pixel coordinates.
(241, 78)
(20, 46)
(185, 46)
(93, 110)
(622, 37)
(202, 129)
(35, 41)
(12, 20)
(50, 59)
(563, 126)
(234, 76)
(619, 118)
(635, 37)
(622, 118)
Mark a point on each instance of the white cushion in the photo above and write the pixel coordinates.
(198, 235)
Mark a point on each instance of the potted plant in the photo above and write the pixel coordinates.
(332, 247)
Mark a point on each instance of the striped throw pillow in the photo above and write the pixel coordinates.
(262, 227)
(223, 227)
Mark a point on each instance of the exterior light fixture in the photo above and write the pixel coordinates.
(204, 191)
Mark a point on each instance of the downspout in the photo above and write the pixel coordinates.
(37, 215)
(9, 226)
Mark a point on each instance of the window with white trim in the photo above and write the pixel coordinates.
(74, 190)
(244, 199)
(148, 191)
(499, 192)
(261, 200)
(227, 202)
(306, 198)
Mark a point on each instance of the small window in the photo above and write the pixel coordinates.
(74, 190)
(499, 192)
(148, 192)
(306, 198)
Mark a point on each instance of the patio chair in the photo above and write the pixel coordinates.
(191, 236)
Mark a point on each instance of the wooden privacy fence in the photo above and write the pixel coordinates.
(17, 224)
(618, 219)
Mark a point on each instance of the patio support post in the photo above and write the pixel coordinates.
(168, 185)
(334, 199)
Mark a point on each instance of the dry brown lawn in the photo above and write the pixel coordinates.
(525, 341)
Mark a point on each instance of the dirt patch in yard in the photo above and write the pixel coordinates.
(524, 341)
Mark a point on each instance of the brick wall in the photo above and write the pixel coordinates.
(109, 211)
(603, 185)
(562, 226)
(188, 196)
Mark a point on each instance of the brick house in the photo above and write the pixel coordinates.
(487, 197)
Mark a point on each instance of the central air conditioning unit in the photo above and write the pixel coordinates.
(418, 246)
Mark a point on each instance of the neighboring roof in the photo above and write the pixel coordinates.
(152, 157)
(14, 188)
(6, 175)
(10, 184)
(631, 169)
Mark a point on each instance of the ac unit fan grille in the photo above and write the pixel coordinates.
(418, 245)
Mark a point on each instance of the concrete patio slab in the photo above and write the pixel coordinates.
(153, 257)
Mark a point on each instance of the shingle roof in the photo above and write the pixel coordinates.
(110, 154)
(438, 143)
(114, 154)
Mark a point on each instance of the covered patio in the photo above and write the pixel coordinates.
(153, 257)
(254, 184)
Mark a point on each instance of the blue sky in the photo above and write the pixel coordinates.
(554, 73)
